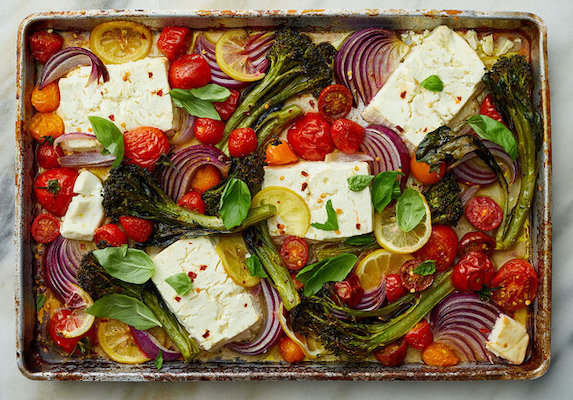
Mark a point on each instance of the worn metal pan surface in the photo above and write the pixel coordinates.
(34, 366)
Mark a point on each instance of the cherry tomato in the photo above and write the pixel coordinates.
(205, 177)
(56, 326)
(189, 71)
(335, 101)
(297, 284)
(474, 271)
(144, 146)
(193, 201)
(441, 247)
(489, 109)
(43, 125)
(484, 213)
(227, 108)
(476, 241)
(242, 142)
(174, 41)
(420, 335)
(393, 354)
(54, 189)
(411, 281)
(111, 234)
(290, 351)
(310, 137)
(439, 355)
(44, 44)
(138, 229)
(347, 135)
(349, 290)
(280, 153)
(45, 228)
(517, 282)
(294, 252)
(47, 156)
(46, 99)
(394, 288)
(421, 171)
(209, 131)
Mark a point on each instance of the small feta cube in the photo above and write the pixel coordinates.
(508, 339)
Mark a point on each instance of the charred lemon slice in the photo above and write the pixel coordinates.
(118, 42)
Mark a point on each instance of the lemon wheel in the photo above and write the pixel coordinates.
(115, 339)
(377, 264)
(292, 210)
(117, 42)
(310, 347)
(232, 251)
(233, 57)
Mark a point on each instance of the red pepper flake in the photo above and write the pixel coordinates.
(126, 76)
(304, 173)
(206, 334)
(203, 267)
(458, 100)
(425, 129)
(304, 186)
(485, 331)
(245, 305)
(403, 94)
(198, 290)
(357, 226)
(160, 92)
(177, 299)
(311, 103)
(112, 117)
(282, 232)
(150, 75)
(191, 275)
(400, 129)
(280, 226)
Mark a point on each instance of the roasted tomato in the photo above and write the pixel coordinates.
(189, 71)
(335, 101)
(43, 125)
(46, 99)
(45, 228)
(439, 355)
(488, 109)
(393, 354)
(54, 189)
(138, 229)
(193, 201)
(421, 171)
(347, 135)
(55, 327)
(290, 351)
(174, 41)
(144, 146)
(310, 137)
(227, 108)
(205, 177)
(515, 285)
(441, 247)
(44, 44)
(242, 142)
(476, 241)
(411, 281)
(349, 290)
(474, 271)
(47, 156)
(420, 335)
(294, 252)
(484, 213)
(394, 288)
(297, 284)
(111, 234)
(280, 153)
(209, 131)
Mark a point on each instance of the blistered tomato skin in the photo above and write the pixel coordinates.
(144, 146)
(193, 201)
(43, 125)
(174, 41)
(294, 252)
(347, 135)
(242, 142)
(393, 354)
(335, 101)
(439, 355)
(420, 335)
(484, 213)
(349, 290)
(209, 131)
(411, 281)
(46, 99)
(138, 229)
(227, 108)
(441, 247)
(111, 234)
(205, 177)
(515, 285)
(45, 44)
(48, 157)
(421, 171)
(310, 137)
(476, 241)
(45, 228)
(290, 351)
(189, 71)
(54, 189)
(394, 288)
(474, 271)
(489, 109)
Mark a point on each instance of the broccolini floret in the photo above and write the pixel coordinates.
(444, 201)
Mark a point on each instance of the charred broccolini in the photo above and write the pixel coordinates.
(444, 201)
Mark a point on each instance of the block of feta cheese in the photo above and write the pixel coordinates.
(85, 212)
(508, 339)
(137, 94)
(416, 111)
(216, 310)
(317, 182)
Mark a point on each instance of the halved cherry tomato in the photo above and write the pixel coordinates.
(45, 228)
(393, 354)
(489, 109)
(347, 135)
(193, 201)
(441, 247)
(517, 282)
(420, 335)
(290, 351)
(297, 284)
(47, 156)
(111, 234)
(227, 108)
(394, 288)
(54, 189)
(46, 99)
(242, 142)
(205, 177)
(138, 229)
(411, 281)
(43, 125)
(189, 71)
(144, 146)
(294, 252)
(421, 171)
(44, 44)
(484, 213)
(55, 328)
(349, 290)
(476, 241)
(474, 271)
(209, 131)
(335, 101)
(280, 153)
(439, 355)
(174, 41)
(310, 137)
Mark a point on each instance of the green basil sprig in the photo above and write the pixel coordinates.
(255, 267)
(358, 183)
(159, 360)
(433, 83)
(361, 240)
(180, 282)
(410, 209)
(111, 138)
(331, 269)
(125, 309)
(128, 265)
(385, 188)
(489, 129)
(199, 101)
(425, 268)
(331, 223)
(235, 203)
(40, 300)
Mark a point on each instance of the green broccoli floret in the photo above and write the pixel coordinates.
(444, 201)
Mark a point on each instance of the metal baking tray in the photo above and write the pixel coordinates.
(31, 363)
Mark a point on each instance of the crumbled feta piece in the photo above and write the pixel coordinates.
(487, 45)
(508, 339)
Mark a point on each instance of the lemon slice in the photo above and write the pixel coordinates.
(292, 210)
(310, 347)
(118, 42)
(79, 321)
(114, 338)
(377, 264)
(232, 251)
(213, 36)
(233, 57)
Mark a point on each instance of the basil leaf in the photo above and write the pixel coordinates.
(193, 105)
(333, 269)
(410, 209)
(159, 360)
(235, 203)
(433, 83)
(111, 138)
(357, 183)
(180, 282)
(125, 309)
(255, 267)
(361, 240)
(129, 265)
(331, 223)
(425, 268)
(211, 92)
(40, 300)
(489, 129)
(385, 188)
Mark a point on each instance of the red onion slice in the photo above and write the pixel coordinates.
(370, 301)
(388, 150)
(70, 58)
(186, 132)
(87, 159)
(72, 136)
(149, 345)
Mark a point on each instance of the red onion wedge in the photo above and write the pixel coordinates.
(388, 150)
(149, 345)
(370, 301)
(87, 159)
(270, 332)
(72, 136)
(68, 59)
(186, 132)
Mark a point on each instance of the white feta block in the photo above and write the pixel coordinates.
(216, 310)
(508, 339)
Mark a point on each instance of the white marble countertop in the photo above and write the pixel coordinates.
(557, 383)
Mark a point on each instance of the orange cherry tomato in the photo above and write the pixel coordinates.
(439, 355)
(421, 171)
(205, 178)
(46, 124)
(280, 154)
(46, 99)
(290, 351)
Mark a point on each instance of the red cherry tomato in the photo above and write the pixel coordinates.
(189, 71)
(349, 290)
(45, 228)
(209, 131)
(294, 252)
(474, 271)
(421, 171)
(193, 201)
(441, 247)
(174, 41)
(488, 109)
(484, 213)
(111, 234)
(476, 241)
(242, 142)
(517, 282)
(144, 146)
(335, 101)
(347, 135)
(393, 354)
(56, 326)
(227, 108)
(310, 137)
(297, 284)
(138, 229)
(420, 335)
(47, 156)
(54, 189)
(411, 281)
(394, 288)
(44, 44)
(290, 351)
